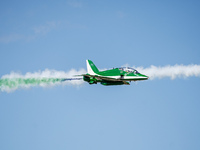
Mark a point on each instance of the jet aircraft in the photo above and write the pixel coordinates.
(116, 76)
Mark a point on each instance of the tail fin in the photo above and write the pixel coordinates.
(91, 68)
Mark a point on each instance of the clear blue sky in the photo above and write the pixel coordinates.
(158, 114)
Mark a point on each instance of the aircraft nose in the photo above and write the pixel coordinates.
(144, 77)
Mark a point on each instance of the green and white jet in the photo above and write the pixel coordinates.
(116, 76)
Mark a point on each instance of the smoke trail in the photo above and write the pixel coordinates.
(46, 78)
(176, 71)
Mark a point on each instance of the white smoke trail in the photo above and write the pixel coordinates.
(176, 71)
(46, 74)
(46, 78)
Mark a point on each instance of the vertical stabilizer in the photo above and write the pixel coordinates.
(91, 68)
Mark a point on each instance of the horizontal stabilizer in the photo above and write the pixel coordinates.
(69, 79)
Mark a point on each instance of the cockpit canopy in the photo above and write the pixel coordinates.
(128, 69)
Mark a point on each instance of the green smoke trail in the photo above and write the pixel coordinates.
(9, 84)
(47, 78)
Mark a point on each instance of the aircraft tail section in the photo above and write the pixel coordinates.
(91, 68)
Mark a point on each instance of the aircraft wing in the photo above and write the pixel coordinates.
(106, 78)
(97, 77)
(101, 77)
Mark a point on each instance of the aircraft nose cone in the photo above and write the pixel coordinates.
(144, 77)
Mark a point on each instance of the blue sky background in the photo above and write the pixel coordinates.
(155, 114)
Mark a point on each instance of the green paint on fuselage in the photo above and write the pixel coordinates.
(116, 76)
(112, 72)
(117, 72)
